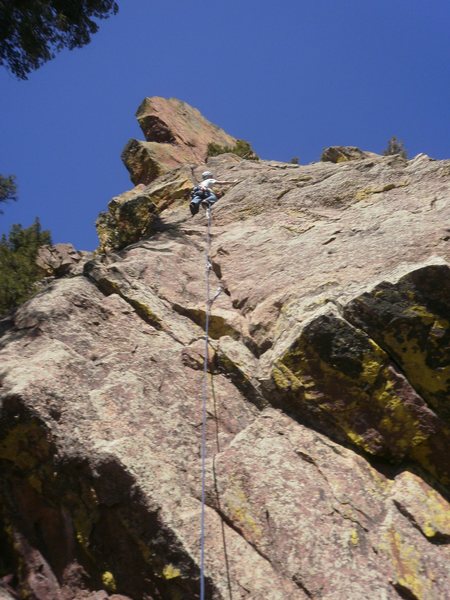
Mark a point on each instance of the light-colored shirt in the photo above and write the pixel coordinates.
(208, 183)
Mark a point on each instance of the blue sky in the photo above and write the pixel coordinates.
(292, 77)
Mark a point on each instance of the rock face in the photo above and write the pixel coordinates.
(175, 134)
(328, 423)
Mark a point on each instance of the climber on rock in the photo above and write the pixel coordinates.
(203, 194)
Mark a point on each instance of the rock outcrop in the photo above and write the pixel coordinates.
(175, 134)
(61, 259)
(328, 422)
(338, 154)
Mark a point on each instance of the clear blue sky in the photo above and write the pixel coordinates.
(292, 77)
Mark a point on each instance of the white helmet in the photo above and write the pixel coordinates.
(206, 174)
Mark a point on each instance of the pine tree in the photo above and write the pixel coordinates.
(8, 189)
(31, 33)
(395, 146)
(18, 269)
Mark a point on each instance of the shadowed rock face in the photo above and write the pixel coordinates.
(328, 423)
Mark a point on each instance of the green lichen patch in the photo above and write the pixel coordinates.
(170, 572)
(109, 581)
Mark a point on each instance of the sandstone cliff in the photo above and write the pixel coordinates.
(328, 407)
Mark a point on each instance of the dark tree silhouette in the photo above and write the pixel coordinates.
(8, 189)
(33, 31)
(395, 146)
(18, 269)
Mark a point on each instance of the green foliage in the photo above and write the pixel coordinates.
(241, 148)
(8, 188)
(395, 146)
(18, 269)
(31, 33)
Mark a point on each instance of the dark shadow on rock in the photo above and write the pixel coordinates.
(80, 521)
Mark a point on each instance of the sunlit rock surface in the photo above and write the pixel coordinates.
(328, 422)
(175, 134)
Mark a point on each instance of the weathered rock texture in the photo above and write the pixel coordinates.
(61, 259)
(328, 404)
(175, 134)
(337, 154)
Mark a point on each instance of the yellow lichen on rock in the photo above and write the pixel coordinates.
(367, 192)
(410, 569)
(109, 581)
(354, 537)
(238, 505)
(25, 446)
(359, 392)
(429, 510)
(170, 572)
(144, 311)
(284, 378)
(414, 359)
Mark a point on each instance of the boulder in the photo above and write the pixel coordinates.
(338, 154)
(61, 259)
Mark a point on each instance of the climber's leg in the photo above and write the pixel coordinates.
(209, 200)
(194, 205)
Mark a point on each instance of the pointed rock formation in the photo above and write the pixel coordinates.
(175, 134)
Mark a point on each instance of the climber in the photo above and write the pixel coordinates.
(203, 194)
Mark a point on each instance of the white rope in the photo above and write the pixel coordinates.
(208, 267)
(209, 302)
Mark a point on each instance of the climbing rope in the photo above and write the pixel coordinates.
(208, 303)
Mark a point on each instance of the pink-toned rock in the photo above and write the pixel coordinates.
(327, 429)
(61, 259)
(176, 134)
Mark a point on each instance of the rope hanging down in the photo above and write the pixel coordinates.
(209, 302)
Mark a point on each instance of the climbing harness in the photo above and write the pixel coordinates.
(209, 302)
